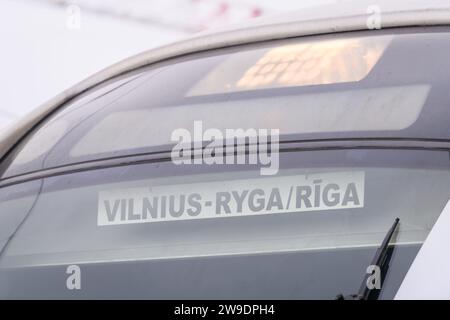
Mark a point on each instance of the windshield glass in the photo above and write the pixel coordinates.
(354, 85)
(166, 231)
(356, 127)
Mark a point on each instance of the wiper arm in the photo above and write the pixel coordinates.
(381, 259)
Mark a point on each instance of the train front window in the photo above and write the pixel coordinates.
(355, 85)
(163, 231)
(363, 139)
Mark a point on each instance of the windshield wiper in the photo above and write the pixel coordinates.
(381, 259)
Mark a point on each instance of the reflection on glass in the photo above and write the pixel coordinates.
(300, 64)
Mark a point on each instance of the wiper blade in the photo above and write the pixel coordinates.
(381, 259)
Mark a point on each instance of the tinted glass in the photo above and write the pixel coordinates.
(340, 86)
(221, 232)
(94, 191)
